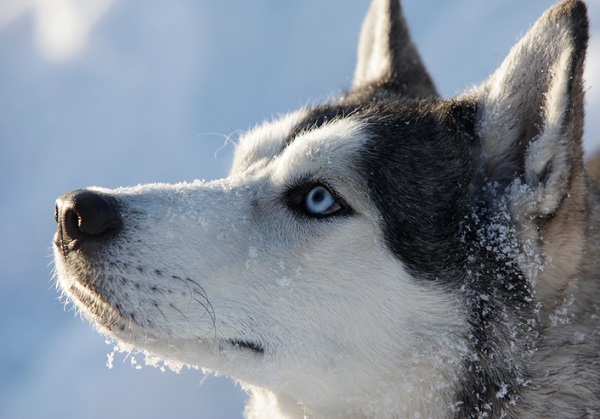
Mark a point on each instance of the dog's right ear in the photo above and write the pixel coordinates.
(387, 56)
(530, 117)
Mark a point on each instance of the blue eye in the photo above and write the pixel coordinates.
(315, 200)
(319, 201)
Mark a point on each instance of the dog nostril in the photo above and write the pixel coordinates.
(86, 215)
(69, 225)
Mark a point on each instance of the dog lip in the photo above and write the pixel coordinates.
(104, 312)
(247, 344)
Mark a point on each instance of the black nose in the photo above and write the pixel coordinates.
(84, 215)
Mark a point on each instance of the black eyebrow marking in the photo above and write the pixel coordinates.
(315, 119)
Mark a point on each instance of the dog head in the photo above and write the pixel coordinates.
(350, 261)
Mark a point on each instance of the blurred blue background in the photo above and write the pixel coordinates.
(121, 92)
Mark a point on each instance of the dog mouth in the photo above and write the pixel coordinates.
(248, 345)
(111, 317)
(114, 321)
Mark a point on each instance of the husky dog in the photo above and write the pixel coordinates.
(389, 254)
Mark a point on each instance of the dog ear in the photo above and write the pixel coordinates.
(386, 54)
(530, 111)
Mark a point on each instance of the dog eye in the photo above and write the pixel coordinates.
(319, 201)
(316, 200)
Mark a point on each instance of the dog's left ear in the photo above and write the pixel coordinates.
(530, 112)
(387, 56)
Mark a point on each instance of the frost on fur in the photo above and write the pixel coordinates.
(530, 122)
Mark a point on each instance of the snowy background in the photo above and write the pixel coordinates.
(121, 92)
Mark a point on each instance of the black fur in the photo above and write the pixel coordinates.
(418, 154)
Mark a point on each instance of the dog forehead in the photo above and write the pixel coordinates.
(327, 152)
(301, 141)
(265, 141)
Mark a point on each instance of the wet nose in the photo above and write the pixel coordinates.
(84, 216)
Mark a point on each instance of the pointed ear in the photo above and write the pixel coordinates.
(387, 55)
(530, 112)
